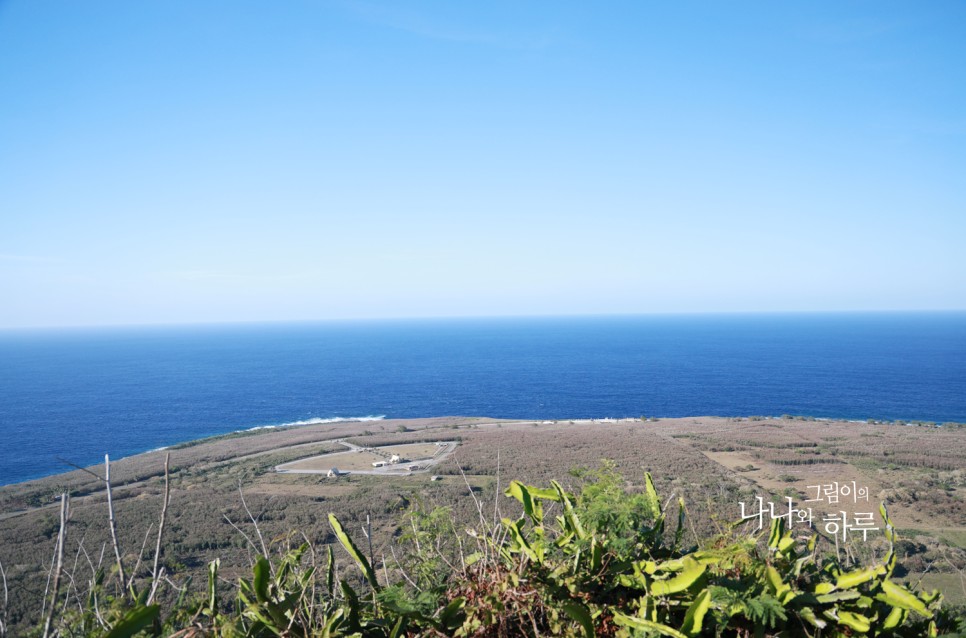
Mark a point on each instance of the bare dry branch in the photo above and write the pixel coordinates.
(113, 525)
(261, 540)
(479, 509)
(155, 580)
(496, 497)
(367, 530)
(402, 571)
(6, 600)
(479, 505)
(82, 469)
(72, 586)
(239, 530)
(59, 563)
(144, 543)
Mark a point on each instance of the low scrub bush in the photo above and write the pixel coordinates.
(600, 562)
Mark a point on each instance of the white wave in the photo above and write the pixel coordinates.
(320, 421)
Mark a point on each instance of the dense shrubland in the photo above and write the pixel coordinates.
(598, 562)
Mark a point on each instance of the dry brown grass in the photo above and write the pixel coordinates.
(702, 459)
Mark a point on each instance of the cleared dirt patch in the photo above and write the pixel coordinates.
(343, 461)
(365, 459)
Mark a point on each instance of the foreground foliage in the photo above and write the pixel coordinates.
(599, 563)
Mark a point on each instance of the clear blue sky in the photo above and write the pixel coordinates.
(193, 161)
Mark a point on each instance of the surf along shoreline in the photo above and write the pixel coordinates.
(305, 432)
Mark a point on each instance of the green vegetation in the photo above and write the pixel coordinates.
(601, 562)
(208, 521)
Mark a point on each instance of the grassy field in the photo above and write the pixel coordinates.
(714, 463)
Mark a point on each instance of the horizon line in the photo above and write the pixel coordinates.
(370, 319)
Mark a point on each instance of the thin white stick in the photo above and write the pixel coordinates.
(144, 543)
(238, 529)
(157, 548)
(412, 521)
(3, 611)
(479, 505)
(72, 585)
(50, 575)
(368, 532)
(61, 537)
(402, 571)
(254, 522)
(113, 525)
(479, 509)
(496, 497)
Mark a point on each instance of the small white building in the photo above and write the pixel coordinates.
(334, 473)
(395, 458)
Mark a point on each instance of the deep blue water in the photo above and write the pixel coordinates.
(80, 393)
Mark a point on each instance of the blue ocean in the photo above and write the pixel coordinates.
(77, 394)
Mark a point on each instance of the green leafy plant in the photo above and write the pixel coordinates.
(600, 562)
